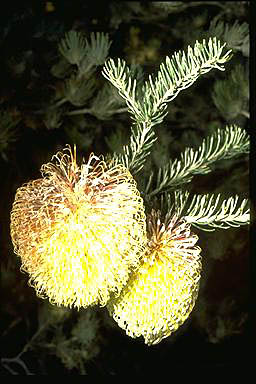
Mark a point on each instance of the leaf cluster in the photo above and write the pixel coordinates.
(75, 345)
(221, 145)
(209, 211)
(236, 35)
(147, 105)
(231, 95)
(80, 91)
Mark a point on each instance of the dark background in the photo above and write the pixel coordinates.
(218, 332)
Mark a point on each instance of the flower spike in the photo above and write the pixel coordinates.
(79, 231)
(161, 294)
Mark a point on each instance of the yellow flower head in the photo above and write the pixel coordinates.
(161, 294)
(79, 230)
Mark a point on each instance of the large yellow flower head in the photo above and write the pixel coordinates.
(79, 230)
(161, 294)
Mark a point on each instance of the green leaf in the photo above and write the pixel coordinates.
(73, 47)
(206, 212)
(231, 95)
(223, 144)
(96, 51)
(135, 153)
(177, 73)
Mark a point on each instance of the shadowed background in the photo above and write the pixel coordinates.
(55, 340)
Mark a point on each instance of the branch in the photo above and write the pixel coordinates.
(177, 73)
(205, 212)
(134, 154)
(223, 144)
(180, 72)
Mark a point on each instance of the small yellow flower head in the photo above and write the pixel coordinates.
(79, 230)
(161, 294)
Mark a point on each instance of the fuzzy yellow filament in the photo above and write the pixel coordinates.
(159, 297)
(79, 230)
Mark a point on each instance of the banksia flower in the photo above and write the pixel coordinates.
(78, 230)
(161, 294)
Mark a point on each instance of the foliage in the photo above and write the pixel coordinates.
(236, 35)
(208, 212)
(176, 74)
(231, 95)
(222, 144)
(8, 133)
(77, 50)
